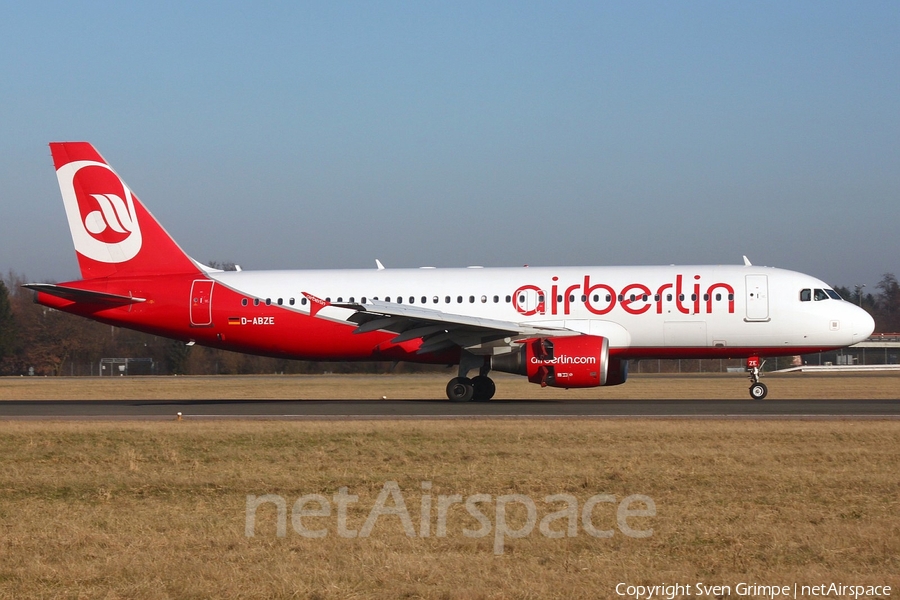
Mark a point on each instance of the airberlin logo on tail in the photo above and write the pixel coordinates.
(100, 210)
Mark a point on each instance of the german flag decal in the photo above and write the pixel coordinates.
(234, 320)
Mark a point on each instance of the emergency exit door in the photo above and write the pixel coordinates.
(757, 297)
(201, 303)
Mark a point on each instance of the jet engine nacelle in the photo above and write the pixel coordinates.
(566, 362)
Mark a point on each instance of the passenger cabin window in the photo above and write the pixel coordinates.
(291, 301)
(244, 302)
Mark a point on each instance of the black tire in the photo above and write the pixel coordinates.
(484, 388)
(460, 389)
(758, 391)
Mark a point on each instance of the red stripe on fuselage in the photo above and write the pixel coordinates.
(267, 330)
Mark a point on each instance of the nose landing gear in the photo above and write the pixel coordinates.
(758, 390)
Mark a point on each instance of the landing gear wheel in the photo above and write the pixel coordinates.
(758, 391)
(460, 389)
(484, 388)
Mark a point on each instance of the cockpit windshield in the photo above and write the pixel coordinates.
(818, 294)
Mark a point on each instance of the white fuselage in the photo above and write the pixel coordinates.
(643, 311)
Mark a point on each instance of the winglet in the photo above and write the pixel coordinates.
(747, 261)
(315, 304)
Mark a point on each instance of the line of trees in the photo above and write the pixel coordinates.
(36, 340)
(41, 341)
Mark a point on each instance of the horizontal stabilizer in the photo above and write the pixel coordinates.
(83, 296)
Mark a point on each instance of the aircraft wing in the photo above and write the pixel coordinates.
(438, 330)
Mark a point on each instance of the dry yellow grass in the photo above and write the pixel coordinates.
(157, 510)
(786, 386)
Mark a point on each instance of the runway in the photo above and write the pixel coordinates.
(438, 409)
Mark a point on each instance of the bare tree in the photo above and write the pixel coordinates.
(7, 328)
(887, 316)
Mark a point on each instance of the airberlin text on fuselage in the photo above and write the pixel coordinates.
(565, 359)
(634, 298)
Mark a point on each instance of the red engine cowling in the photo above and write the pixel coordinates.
(566, 362)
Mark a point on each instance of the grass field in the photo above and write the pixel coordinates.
(781, 386)
(160, 509)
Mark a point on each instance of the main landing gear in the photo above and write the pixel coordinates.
(758, 390)
(479, 388)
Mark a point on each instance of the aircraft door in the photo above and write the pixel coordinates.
(757, 297)
(201, 303)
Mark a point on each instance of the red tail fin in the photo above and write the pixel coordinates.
(113, 233)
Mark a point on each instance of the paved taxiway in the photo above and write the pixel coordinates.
(427, 409)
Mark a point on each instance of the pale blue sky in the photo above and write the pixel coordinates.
(300, 135)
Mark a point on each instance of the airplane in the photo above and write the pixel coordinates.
(565, 327)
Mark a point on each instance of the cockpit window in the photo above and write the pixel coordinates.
(820, 295)
(805, 295)
(833, 295)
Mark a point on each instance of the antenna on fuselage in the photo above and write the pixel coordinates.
(379, 265)
(747, 262)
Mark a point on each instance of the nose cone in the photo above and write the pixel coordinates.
(863, 325)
